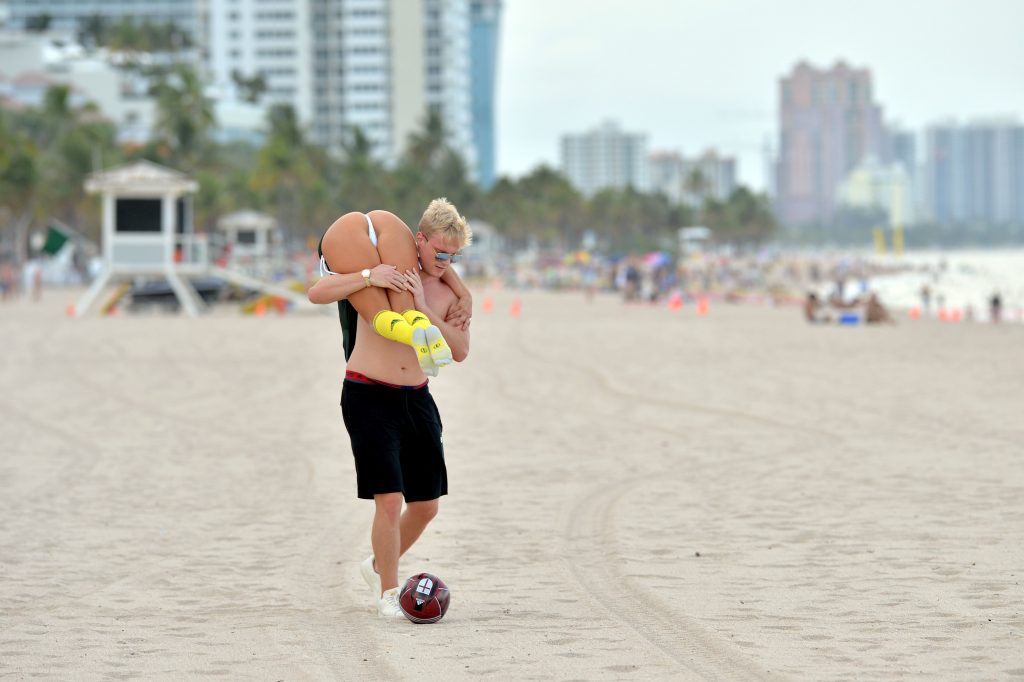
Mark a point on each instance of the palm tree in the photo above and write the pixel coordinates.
(426, 147)
(696, 185)
(19, 179)
(292, 172)
(184, 113)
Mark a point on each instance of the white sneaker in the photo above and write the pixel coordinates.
(387, 605)
(371, 576)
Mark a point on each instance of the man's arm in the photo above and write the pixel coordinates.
(460, 312)
(337, 287)
(457, 337)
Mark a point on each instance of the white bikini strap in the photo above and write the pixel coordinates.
(324, 270)
(370, 231)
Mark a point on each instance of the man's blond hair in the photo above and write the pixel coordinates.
(441, 217)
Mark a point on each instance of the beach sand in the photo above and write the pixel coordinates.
(635, 494)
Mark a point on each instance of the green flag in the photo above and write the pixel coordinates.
(55, 240)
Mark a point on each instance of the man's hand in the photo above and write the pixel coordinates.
(388, 277)
(460, 313)
(415, 286)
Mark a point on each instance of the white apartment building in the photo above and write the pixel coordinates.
(605, 158)
(665, 173)
(269, 37)
(352, 71)
(379, 65)
(30, 63)
(692, 180)
(448, 73)
(373, 64)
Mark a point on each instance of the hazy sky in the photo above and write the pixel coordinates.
(700, 73)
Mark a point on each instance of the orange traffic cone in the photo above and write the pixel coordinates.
(675, 302)
(260, 309)
(915, 313)
(516, 308)
(702, 306)
(488, 304)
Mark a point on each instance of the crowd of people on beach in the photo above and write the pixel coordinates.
(839, 288)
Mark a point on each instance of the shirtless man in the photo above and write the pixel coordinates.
(391, 418)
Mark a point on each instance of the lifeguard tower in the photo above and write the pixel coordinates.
(147, 232)
(248, 239)
(147, 229)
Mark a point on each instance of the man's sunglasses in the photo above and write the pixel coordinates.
(444, 257)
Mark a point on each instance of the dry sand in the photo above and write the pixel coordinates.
(177, 500)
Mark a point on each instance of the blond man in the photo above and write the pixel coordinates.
(392, 420)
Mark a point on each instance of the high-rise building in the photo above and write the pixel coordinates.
(368, 72)
(692, 180)
(381, 65)
(67, 16)
(708, 176)
(485, 31)
(250, 37)
(605, 158)
(449, 80)
(974, 174)
(828, 123)
(665, 175)
(376, 65)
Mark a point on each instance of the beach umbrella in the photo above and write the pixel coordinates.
(656, 259)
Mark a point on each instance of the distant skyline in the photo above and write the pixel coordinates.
(695, 74)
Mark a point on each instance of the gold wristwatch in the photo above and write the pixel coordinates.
(366, 276)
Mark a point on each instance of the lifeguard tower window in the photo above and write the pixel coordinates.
(247, 236)
(138, 215)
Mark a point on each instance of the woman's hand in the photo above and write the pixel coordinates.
(460, 313)
(415, 286)
(388, 277)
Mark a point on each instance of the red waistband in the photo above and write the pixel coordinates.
(363, 379)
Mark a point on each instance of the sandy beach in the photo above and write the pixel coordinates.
(635, 494)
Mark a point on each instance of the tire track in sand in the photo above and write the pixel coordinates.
(592, 556)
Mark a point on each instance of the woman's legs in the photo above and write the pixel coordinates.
(347, 248)
(395, 246)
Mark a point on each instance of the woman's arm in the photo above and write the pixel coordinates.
(337, 287)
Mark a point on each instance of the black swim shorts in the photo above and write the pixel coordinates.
(396, 441)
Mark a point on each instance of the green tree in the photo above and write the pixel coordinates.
(70, 142)
(552, 207)
(19, 181)
(38, 23)
(743, 218)
(184, 115)
(94, 30)
(429, 168)
(294, 175)
(251, 88)
(363, 183)
(426, 147)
